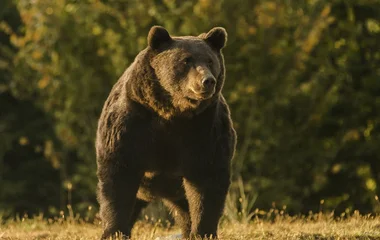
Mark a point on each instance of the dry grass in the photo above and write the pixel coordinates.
(314, 226)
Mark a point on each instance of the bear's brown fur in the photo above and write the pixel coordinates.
(165, 132)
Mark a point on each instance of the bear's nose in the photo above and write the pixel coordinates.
(208, 82)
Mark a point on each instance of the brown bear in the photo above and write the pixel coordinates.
(165, 132)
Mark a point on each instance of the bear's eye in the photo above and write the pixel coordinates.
(187, 61)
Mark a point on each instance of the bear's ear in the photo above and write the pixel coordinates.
(216, 38)
(158, 36)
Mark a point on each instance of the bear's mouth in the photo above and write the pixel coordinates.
(192, 100)
(201, 95)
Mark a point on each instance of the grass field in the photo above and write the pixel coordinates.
(314, 226)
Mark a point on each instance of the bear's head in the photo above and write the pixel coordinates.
(189, 68)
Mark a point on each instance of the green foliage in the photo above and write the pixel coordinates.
(302, 83)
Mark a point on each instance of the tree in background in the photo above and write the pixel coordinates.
(302, 82)
(27, 181)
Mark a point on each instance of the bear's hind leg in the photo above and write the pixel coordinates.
(117, 196)
(180, 211)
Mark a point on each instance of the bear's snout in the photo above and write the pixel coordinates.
(203, 88)
(205, 82)
(208, 83)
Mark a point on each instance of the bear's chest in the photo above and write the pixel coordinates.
(173, 143)
(174, 137)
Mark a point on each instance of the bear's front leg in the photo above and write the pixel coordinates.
(206, 193)
(117, 190)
